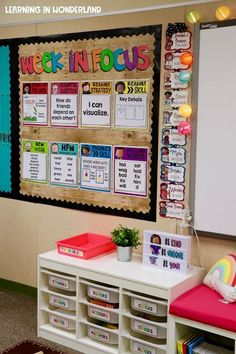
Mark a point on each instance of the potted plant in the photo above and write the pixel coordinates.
(125, 239)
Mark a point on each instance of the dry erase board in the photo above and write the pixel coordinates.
(215, 171)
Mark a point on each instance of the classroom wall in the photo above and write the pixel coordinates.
(28, 229)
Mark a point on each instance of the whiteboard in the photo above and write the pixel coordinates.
(215, 170)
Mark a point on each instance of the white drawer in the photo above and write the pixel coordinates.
(103, 315)
(148, 328)
(102, 335)
(59, 282)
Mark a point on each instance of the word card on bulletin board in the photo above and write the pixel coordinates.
(88, 116)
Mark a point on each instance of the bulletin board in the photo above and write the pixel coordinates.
(88, 120)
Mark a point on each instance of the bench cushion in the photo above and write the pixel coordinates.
(202, 304)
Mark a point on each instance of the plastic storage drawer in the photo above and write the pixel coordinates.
(106, 295)
(140, 348)
(102, 335)
(61, 322)
(59, 282)
(148, 306)
(103, 315)
(148, 328)
(60, 301)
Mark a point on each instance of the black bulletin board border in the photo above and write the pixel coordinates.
(15, 127)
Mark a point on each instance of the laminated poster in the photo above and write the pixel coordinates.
(130, 164)
(179, 41)
(172, 61)
(95, 167)
(176, 98)
(64, 164)
(171, 117)
(171, 191)
(171, 81)
(131, 104)
(34, 161)
(171, 210)
(35, 103)
(172, 137)
(173, 155)
(172, 173)
(64, 104)
(96, 103)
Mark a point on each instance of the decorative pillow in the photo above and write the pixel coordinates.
(222, 277)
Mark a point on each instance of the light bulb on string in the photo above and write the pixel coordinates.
(193, 17)
(222, 13)
(185, 110)
(184, 76)
(186, 58)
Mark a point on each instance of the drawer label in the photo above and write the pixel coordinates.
(141, 348)
(145, 306)
(59, 301)
(59, 322)
(99, 293)
(145, 328)
(59, 282)
(103, 315)
(71, 251)
(96, 333)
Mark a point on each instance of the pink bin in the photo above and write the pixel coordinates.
(85, 246)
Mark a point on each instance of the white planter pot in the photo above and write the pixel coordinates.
(124, 254)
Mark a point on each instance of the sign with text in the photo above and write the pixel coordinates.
(95, 167)
(35, 103)
(64, 164)
(179, 41)
(34, 161)
(172, 61)
(172, 137)
(131, 104)
(172, 81)
(167, 251)
(64, 104)
(173, 155)
(171, 210)
(176, 98)
(96, 103)
(171, 117)
(173, 173)
(171, 191)
(130, 164)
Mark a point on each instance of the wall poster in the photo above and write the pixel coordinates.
(82, 99)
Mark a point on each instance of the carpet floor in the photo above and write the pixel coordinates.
(18, 322)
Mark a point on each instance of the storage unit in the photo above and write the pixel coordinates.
(179, 327)
(213, 318)
(108, 306)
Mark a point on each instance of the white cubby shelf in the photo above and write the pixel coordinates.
(137, 298)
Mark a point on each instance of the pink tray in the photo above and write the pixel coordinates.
(85, 246)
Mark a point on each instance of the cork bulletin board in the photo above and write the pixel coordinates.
(88, 120)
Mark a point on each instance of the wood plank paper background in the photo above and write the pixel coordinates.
(92, 135)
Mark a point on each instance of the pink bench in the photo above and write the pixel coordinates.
(202, 304)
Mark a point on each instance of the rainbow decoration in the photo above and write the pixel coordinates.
(225, 270)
